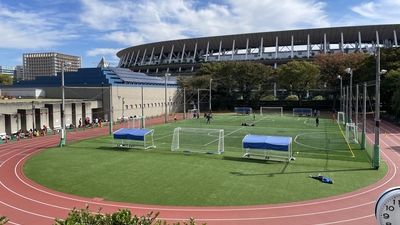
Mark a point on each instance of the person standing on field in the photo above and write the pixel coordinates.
(317, 121)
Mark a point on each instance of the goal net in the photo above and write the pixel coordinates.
(208, 141)
(264, 111)
(351, 133)
(340, 117)
(135, 122)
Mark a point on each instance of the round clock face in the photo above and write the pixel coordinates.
(387, 207)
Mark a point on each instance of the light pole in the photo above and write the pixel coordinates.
(63, 122)
(209, 107)
(33, 116)
(350, 71)
(166, 110)
(379, 72)
(123, 109)
(341, 93)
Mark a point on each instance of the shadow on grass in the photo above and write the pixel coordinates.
(118, 149)
(251, 160)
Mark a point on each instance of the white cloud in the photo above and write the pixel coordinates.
(30, 30)
(102, 51)
(137, 22)
(378, 12)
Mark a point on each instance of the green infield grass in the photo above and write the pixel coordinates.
(94, 168)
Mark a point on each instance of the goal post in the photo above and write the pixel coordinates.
(201, 140)
(351, 133)
(340, 118)
(135, 122)
(264, 111)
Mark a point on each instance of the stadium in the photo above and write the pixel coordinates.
(140, 86)
(184, 56)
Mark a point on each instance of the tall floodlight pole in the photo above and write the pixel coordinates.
(210, 97)
(63, 122)
(350, 71)
(379, 72)
(166, 110)
(341, 93)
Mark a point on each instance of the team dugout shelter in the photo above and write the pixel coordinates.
(243, 111)
(128, 137)
(274, 148)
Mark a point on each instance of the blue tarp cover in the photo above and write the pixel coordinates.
(267, 142)
(131, 134)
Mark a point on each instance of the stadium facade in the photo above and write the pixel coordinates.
(107, 93)
(185, 56)
(139, 85)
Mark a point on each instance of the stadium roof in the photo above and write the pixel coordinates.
(333, 35)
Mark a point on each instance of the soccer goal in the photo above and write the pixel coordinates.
(351, 133)
(264, 111)
(135, 122)
(340, 117)
(208, 141)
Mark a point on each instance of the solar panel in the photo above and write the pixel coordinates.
(129, 76)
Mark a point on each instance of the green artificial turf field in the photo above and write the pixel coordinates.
(94, 168)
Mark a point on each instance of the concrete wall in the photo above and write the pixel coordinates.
(118, 101)
(127, 101)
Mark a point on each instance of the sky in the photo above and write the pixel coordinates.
(94, 29)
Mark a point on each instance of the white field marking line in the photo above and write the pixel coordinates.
(350, 220)
(32, 200)
(24, 211)
(309, 146)
(201, 210)
(213, 209)
(280, 217)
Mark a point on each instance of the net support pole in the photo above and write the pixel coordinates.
(143, 117)
(111, 113)
(363, 134)
(376, 160)
(184, 103)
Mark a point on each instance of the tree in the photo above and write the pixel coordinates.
(298, 76)
(396, 101)
(332, 65)
(248, 79)
(5, 79)
(389, 83)
(232, 80)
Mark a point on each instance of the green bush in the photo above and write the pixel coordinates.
(122, 217)
(269, 98)
(292, 98)
(3, 220)
(318, 97)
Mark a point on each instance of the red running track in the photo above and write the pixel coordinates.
(25, 202)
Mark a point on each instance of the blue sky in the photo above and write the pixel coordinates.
(96, 28)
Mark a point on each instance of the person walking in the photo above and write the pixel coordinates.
(208, 118)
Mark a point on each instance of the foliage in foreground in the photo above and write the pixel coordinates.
(3, 220)
(121, 217)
